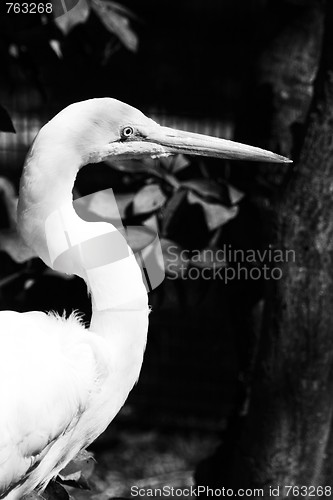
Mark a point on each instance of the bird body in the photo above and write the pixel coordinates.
(61, 383)
(65, 393)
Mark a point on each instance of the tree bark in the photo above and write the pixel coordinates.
(286, 438)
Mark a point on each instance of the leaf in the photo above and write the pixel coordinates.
(56, 47)
(33, 496)
(152, 222)
(175, 163)
(116, 21)
(139, 237)
(76, 480)
(166, 162)
(150, 166)
(103, 205)
(69, 13)
(150, 198)
(215, 214)
(208, 189)
(108, 205)
(235, 195)
(172, 208)
(147, 249)
(209, 258)
(6, 124)
(78, 471)
(175, 261)
(180, 162)
(123, 202)
(54, 491)
(121, 9)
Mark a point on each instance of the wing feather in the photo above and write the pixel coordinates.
(47, 373)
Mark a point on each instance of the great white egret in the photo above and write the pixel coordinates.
(61, 384)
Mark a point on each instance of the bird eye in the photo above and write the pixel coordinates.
(127, 132)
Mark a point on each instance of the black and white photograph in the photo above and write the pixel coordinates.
(166, 249)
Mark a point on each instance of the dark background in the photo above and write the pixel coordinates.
(222, 63)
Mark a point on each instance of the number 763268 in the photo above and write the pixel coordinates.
(29, 8)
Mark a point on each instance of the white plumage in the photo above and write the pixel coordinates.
(60, 383)
(63, 389)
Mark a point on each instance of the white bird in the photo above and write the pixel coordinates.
(61, 384)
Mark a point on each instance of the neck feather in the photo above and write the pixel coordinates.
(46, 184)
(46, 195)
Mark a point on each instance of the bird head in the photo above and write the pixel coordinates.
(92, 131)
(104, 127)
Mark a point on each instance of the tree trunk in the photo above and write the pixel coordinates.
(286, 438)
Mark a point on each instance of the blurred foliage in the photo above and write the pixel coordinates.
(114, 17)
(77, 473)
(33, 48)
(166, 199)
(47, 55)
(148, 459)
(168, 194)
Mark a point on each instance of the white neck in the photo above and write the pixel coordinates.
(119, 297)
(46, 185)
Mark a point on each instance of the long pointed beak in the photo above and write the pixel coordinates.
(178, 141)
